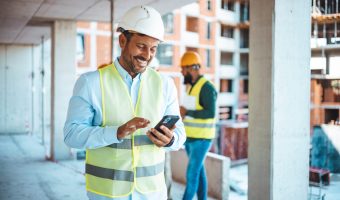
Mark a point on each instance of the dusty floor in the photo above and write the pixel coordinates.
(26, 175)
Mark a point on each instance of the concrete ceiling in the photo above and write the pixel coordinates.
(26, 21)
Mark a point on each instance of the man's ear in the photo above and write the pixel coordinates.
(122, 41)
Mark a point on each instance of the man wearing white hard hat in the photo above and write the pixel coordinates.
(113, 111)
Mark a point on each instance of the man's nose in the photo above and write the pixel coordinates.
(146, 54)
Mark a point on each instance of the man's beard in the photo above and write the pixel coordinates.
(131, 66)
(187, 79)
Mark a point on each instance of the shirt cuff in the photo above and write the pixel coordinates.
(190, 113)
(110, 135)
(170, 148)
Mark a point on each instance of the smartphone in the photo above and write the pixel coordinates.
(168, 120)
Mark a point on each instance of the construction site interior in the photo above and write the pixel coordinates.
(219, 30)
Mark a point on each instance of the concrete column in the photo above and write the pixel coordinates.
(93, 45)
(237, 63)
(237, 11)
(63, 72)
(279, 99)
(3, 88)
(36, 91)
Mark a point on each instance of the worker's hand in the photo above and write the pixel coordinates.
(160, 139)
(131, 126)
(183, 111)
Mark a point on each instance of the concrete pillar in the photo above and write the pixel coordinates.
(279, 99)
(237, 11)
(3, 88)
(36, 91)
(93, 45)
(63, 72)
(237, 63)
(236, 80)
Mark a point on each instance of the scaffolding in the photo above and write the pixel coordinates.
(326, 19)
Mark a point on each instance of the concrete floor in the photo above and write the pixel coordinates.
(239, 175)
(26, 175)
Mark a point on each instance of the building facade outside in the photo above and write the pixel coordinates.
(219, 31)
(325, 62)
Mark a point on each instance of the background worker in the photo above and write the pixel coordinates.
(198, 111)
(113, 111)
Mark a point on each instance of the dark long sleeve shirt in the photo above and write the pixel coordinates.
(207, 99)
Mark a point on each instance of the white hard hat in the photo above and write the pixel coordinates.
(143, 19)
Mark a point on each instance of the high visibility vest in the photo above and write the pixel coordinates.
(136, 163)
(196, 127)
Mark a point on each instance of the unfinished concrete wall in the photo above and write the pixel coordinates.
(217, 171)
(16, 64)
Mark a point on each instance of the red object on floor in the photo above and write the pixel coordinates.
(317, 175)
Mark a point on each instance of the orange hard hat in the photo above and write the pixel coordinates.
(190, 58)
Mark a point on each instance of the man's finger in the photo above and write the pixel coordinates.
(154, 139)
(163, 139)
(173, 128)
(140, 122)
(167, 132)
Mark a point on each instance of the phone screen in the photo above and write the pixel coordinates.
(168, 120)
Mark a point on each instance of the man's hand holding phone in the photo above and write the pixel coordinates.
(162, 135)
(161, 139)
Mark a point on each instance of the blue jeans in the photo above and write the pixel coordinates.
(196, 176)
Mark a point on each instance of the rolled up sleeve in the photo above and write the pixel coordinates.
(79, 130)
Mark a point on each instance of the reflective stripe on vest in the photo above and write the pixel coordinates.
(199, 128)
(139, 140)
(115, 170)
(114, 174)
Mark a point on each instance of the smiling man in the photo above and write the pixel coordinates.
(113, 111)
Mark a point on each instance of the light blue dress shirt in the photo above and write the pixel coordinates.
(83, 129)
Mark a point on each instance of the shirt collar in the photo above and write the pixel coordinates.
(123, 73)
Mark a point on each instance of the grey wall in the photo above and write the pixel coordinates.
(16, 63)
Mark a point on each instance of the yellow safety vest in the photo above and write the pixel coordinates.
(195, 127)
(136, 163)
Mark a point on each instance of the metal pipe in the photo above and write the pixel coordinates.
(5, 88)
(335, 29)
(336, 6)
(315, 31)
(323, 46)
(32, 91)
(42, 92)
